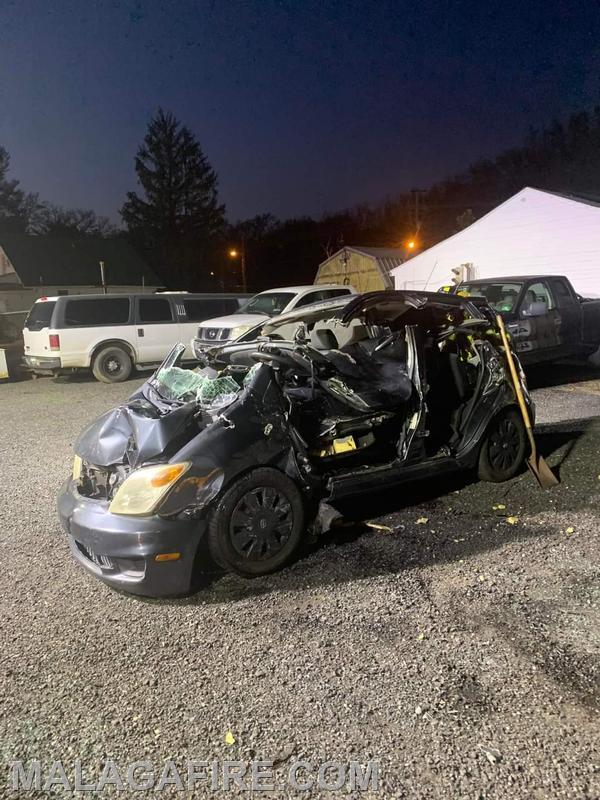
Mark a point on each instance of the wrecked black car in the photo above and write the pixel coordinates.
(247, 451)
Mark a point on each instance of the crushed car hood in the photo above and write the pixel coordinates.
(134, 433)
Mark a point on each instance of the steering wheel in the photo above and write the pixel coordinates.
(283, 358)
(270, 358)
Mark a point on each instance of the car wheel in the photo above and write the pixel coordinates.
(503, 448)
(112, 365)
(257, 525)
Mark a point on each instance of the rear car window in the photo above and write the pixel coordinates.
(40, 315)
(311, 297)
(563, 295)
(155, 310)
(539, 293)
(99, 311)
(198, 310)
(320, 296)
(500, 296)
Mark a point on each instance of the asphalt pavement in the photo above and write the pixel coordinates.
(449, 631)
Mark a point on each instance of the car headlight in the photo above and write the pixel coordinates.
(77, 468)
(142, 492)
(239, 331)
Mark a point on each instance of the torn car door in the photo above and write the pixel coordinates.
(414, 424)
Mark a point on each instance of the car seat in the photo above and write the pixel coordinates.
(323, 338)
(530, 297)
(332, 335)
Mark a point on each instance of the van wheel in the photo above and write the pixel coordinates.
(504, 447)
(257, 525)
(112, 365)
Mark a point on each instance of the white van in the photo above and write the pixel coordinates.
(262, 307)
(112, 333)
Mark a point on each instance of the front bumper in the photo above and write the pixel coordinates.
(121, 550)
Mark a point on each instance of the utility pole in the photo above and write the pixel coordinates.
(233, 253)
(416, 193)
(244, 266)
(103, 277)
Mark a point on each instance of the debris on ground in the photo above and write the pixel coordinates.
(378, 527)
(492, 755)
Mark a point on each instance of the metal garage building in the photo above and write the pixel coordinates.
(533, 232)
(366, 268)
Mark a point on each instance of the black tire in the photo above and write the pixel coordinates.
(112, 364)
(504, 447)
(257, 525)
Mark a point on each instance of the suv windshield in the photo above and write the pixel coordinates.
(269, 303)
(40, 315)
(500, 296)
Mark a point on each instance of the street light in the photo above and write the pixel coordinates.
(233, 253)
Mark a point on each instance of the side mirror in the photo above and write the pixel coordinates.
(537, 309)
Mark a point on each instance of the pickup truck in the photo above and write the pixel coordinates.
(546, 318)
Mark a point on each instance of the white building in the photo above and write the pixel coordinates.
(532, 233)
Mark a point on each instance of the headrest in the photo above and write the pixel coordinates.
(352, 333)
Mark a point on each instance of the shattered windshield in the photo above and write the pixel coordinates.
(210, 389)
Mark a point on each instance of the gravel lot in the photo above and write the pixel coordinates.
(456, 643)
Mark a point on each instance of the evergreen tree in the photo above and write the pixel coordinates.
(178, 221)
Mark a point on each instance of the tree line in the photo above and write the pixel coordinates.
(24, 212)
(177, 222)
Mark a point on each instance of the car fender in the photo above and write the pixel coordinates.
(253, 432)
(122, 343)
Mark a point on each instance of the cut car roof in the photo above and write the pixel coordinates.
(308, 287)
(515, 279)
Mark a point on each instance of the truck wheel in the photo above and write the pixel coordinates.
(257, 525)
(504, 447)
(112, 365)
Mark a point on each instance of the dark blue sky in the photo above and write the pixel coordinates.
(300, 106)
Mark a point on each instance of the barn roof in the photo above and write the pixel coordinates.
(66, 261)
(385, 259)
